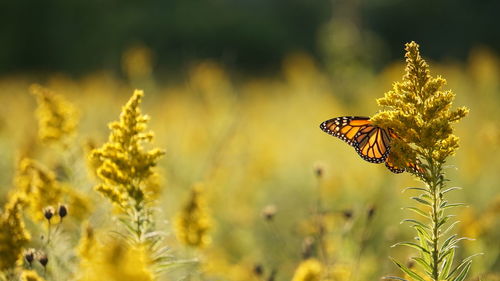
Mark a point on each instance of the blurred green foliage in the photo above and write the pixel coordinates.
(81, 36)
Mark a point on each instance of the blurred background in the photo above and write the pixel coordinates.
(236, 90)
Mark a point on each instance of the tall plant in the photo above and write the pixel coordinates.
(420, 113)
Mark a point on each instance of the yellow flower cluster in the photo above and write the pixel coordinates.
(39, 185)
(124, 165)
(420, 113)
(115, 261)
(30, 275)
(57, 117)
(193, 222)
(308, 270)
(13, 234)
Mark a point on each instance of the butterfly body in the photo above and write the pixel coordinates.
(371, 142)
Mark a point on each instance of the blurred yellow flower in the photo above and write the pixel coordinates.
(30, 275)
(57, 118)
(13, 235)
(124, 165)
(308, 270)
(193, 222)
(115, 260)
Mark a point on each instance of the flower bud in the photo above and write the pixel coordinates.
(48, 212)
(43, 259)
(62, 211)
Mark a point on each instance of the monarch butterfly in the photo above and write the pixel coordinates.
(371, 142)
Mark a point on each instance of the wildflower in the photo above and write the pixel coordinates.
(40, 187)
(125, 165)
(193, 222)
(308, 270)
(87, 243)
(30, 275)
(13, 237)
(419, 113)
(115, 261)
(57, 118)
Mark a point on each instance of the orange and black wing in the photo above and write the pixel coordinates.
(345, 128)
(411, 167)
(371, 142)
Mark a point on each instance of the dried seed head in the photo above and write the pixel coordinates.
(62, 211)
(269, 212)
(318, 170)
(307, 247)
(371, 212)
(48, 212)
(258, 269)
(29, 255)
(42, 258)
(347, 214)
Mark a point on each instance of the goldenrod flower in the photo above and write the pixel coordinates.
(125, 165)
(13, 234)
(308, 270)
(420, 113)
(113, 261)
(193, 222)
(57, 117)
(30, 275)
(39, 185)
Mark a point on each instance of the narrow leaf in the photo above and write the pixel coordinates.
(408, 271)
(449, 227)
(416, 222)
(412, 245)
(454, 205)
(463, 273)
(394, 278)
(448, 262)
(450, 189)
(422, 201)
(423, 263)
(418, 211)
(416, 188)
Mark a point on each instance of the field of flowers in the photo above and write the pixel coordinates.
(238, 182)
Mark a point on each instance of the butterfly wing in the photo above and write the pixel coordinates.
(345, 128)
(371, 142)
(411, 167)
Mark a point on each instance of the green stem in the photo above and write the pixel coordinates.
(435, 188)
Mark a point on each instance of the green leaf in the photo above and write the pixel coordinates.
(412, 245)
(416, 188)
(442, 221)
(463, 273)
(454, 205)
(418, 211)
(408, 271)
(448, 262)
(415, 222)
(462, 264)
(394, 278)
(448, 241)
(451, 189)
(423, 263)
(449, 227)
(422, 201)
